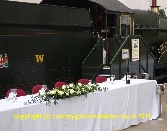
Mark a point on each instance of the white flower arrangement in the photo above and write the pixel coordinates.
(71, 90)
(66, 91)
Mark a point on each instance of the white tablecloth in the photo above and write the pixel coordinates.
(121, 106)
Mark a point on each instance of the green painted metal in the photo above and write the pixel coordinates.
(61, 60)
(64, 42)
(34, 14)
(146, 62)
(146, 24)
(93, 63)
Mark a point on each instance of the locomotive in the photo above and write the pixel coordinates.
(114, 22)
(65, 40)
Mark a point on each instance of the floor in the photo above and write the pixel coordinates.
(154, 125)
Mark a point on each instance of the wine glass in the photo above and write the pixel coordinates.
(135, 77)
(44, 87)
(112, 78)
(90, 82)
(14, 91)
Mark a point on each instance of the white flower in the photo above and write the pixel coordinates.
(89, 87)
(78, 92)
(48, 92)
(71, 91)
(71, 85)
(82, 89)
(53, 92)
(67, 93)
(41, 93)
(60, 93)
(77, 87)
(63, 87)
(55, 89)
(79, 84)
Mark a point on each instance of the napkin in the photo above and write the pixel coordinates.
(11, 95)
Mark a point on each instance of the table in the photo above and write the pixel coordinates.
(121, 106)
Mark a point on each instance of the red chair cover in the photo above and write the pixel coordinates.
(20, 92)
(100, 79)
(59, 84)
(36, 89)
(83, 81)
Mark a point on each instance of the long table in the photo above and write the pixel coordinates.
(121, 106)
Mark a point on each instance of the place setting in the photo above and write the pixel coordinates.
(12, 96)
(111, 79)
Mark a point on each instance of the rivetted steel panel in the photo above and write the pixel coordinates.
(34, 14)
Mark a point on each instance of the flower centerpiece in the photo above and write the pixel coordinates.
(68, 91)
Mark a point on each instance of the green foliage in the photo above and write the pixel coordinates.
(68, 91)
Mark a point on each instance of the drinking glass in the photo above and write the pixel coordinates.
(135, 76)
(112, 78)
(14, 91)
(44, 87)
(90, 82)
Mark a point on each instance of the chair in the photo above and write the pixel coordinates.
(20, 92)
(100, 79)
(36, 89)
(59, 84)
(83, 81)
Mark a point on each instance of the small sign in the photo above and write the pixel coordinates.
(125, 53)
(135, 49)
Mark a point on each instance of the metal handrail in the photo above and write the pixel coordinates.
(91, 69)
(125, 42)
(92, 50)
(117, 55)
(119, 50)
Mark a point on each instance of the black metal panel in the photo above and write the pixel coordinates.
(29, 31)
(163, 29)
(93, 63)
(109, 5)
(33, 14)
(113, 6)
(146, 62)
(141, 21)
(146, 24)
(63, 56)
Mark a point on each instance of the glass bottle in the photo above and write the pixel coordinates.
(128, 75)
(128, 78)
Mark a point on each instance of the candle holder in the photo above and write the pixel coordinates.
(160, 91)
